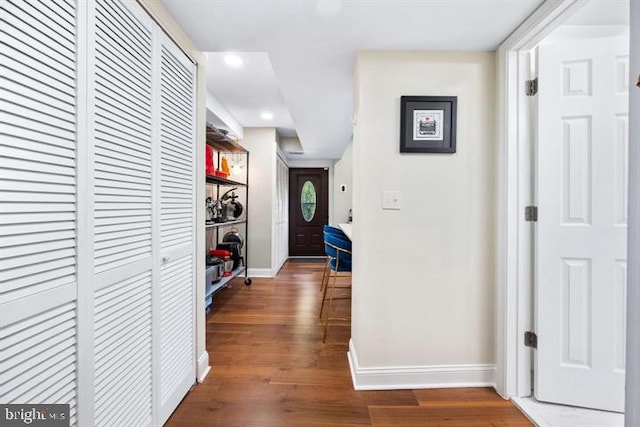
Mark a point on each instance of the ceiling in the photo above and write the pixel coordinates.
(601, 12)
(248, 90)
(311, 48)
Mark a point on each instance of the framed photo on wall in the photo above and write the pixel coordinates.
(428, 124)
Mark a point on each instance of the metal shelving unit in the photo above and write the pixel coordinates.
(212, 288)
(224, 224)
(225, 146)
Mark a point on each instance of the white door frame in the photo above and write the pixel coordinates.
(514, 292)
(632, 410)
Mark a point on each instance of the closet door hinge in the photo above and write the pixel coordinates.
(531, 87)
(531, 213)
(530, 339)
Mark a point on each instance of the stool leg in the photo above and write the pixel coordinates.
(324, 273)
(324, 285)
(333, 285)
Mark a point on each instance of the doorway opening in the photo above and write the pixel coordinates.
(571, 263)
(308, 211)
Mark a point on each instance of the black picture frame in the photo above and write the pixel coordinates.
(428, 124)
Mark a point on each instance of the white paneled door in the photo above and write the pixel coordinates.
(97, 212)
(582, 225)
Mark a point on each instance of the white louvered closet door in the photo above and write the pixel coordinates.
(123, 130)
(97, 212)
(177, 225)
(38, 153)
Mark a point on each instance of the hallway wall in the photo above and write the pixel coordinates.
(423, 279)
(262, 146)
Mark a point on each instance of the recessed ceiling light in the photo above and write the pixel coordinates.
(233, 60)
(266, 115)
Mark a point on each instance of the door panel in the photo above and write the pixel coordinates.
(307, 214)
(581, 232)
(123, 211)
(123, 352)
(38, 204)
(281, 242)
(177, 217)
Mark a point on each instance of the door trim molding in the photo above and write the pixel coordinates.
(632, 410)
(514, 284)
(203, 366)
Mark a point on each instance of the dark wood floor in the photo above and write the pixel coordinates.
(269, 367)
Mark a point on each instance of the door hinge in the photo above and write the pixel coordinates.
(531, 87)
(530, 339)
(531, 213)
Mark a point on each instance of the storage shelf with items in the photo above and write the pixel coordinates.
(226, 217)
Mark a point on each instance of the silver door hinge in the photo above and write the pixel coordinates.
(531, 213)
(531, 87)
(530, 339)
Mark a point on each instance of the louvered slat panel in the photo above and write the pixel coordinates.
(63, 23)
(176, 133)
(123, 353)
(122, 179)
(39, 358)
(177, 347)
(176, 324)
(36, 48)
(37, 150)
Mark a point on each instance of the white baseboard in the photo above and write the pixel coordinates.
(308, 257)
(203, 366)
(261, 272)
(416, 377)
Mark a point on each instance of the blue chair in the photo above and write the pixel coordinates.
(338, 250)
(337, 232)
(333, 230)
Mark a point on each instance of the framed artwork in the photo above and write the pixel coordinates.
(428, 124)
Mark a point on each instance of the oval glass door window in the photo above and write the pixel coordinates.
(308, 201)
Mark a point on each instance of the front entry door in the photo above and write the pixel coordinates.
(308, 210)
(582, 226)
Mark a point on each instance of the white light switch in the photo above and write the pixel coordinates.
(391, 199)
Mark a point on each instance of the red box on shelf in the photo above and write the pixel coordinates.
(209, 161)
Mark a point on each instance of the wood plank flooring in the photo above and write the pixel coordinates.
(269, 367)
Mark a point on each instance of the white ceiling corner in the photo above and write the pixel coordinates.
(305, 51)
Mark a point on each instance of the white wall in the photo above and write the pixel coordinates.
(288, 144)
(218, 114)
(262, 146)
(423, 279)
(343, 175)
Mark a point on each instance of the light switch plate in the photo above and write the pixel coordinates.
(391, 199)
